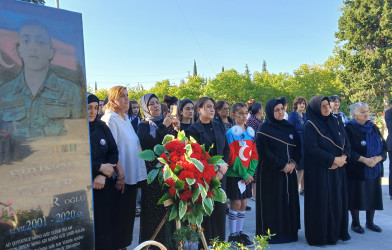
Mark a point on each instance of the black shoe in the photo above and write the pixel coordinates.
(234, 239)
(346, 237)
(374, 228)
(245, 240)
(302, 192)
(358, 229)
(248, 208)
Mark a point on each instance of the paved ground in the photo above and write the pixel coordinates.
(369, 240)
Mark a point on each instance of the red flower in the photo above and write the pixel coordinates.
(172, 192)
(170, 182)
(186, 174)
(174, 157)
(210, 193)
(186, 195)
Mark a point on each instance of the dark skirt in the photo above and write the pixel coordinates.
(104, 216)
(125, 205)
(233, 192)
(364, 194)
(152, 214)
(215, 224)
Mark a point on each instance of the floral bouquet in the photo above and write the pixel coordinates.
(186, 168)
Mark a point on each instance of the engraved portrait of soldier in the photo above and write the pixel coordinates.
(37, 101)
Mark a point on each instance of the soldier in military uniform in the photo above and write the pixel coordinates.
(37, 101)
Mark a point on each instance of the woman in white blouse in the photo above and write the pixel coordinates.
(134, 167)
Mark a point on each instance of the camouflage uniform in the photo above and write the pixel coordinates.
(29, 116)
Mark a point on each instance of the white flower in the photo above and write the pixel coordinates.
(236, 130)
(250, 131)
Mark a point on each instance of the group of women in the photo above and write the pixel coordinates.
(338, 166)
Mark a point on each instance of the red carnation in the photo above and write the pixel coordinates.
(172, 192)
(210, 193)
(174, 157)
(186, 195)
(170, 182)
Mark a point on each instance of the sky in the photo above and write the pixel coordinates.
(145, 41)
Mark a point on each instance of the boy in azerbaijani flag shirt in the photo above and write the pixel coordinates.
(242, 165)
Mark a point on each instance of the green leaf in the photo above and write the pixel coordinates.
(163, 161)
(174, 212)
(219, 195)
(212, 146)
(182, 209)
(203, 191)
(152, 175)
(190, 181)
(198, 164)
(181, 136)
(159, 149)
(208, 206)
(147, 155)
(160, 178)
(166, 196)
(178, 169)
(159, 165)
(166, 172)
(199, 219)
(192, 140)
(214, 159)
(214, 183)
(168, 138)
(195, 194)
(203, 147)
(189, 150)
(180, 184)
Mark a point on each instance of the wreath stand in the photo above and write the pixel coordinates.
(178, 226)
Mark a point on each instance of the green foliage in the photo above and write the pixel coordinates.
(101, 93)
(365, 51)
(192, 89)
(187, 234)
(194, 68)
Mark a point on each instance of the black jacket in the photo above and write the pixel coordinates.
(388, 121)
(196, 130)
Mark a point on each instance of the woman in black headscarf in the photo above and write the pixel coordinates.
(325, 151)
(151, 132)
(104, 157)
(277, 201)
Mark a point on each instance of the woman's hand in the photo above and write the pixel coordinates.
(289, 168)
(219, 175)
(334, 166)
(249, 180)
(376, 159)
(99, 182)
(120, 184)
(223, 168)
(170, 119)
(370, 162)
(340, 160)
(107, 169)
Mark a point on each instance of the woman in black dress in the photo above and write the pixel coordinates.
(277, 201)
(326, 148)
(208, 132)
(368, 151)
(151, 132)
(104, 157)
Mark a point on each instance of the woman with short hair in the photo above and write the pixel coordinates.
(335, 105)
(223, 115)
(364, 169)
(298, 118)
(185, 113)
(134, 168)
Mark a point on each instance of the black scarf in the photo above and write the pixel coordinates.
(269, 112)
(92, 125)
(324, 123)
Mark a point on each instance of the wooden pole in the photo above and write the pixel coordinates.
(159, 226)
(203, 239)
(180, 243)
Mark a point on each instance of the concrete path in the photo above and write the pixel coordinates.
(369, 240)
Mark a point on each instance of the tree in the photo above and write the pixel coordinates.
(223, 69)
(365, 51)
(192, 89)
(42, 2)
(247, 72)
(101, 93)
(264, 69)
(194, 68)
(96, 86)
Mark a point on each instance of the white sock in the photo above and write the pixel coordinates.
(240, 220)
(232, 221)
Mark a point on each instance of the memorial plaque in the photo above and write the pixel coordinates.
(45, 173)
